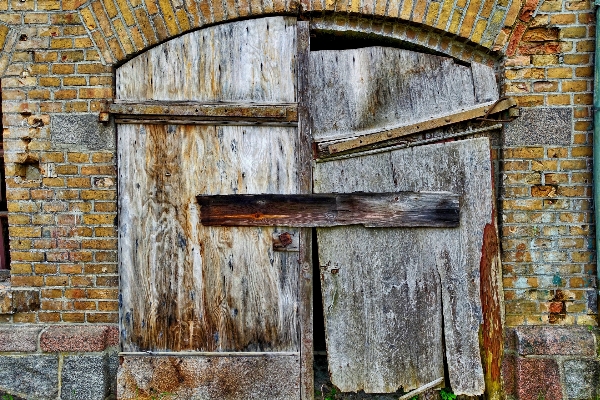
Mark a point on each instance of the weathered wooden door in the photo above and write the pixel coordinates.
(219, 311)
(208, 312)
(397, 301)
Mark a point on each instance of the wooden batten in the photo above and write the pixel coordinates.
(398, 209)
(205, 113)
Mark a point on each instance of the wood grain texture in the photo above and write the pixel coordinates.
(374, 87)
(414, 209)
(384, 289)
(251, 60)
(189, 287)
(305, 283)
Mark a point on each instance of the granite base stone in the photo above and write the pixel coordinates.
(23, 339)
(32, 377)
(88, 377)
(582, 379)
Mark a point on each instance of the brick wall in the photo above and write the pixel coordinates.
(547, 211)
(56, 70)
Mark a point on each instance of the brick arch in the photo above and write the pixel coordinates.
(123, 28)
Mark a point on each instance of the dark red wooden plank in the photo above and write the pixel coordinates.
(399, 209)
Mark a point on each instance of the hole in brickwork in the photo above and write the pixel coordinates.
(29, 170)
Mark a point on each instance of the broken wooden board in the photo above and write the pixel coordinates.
(376, 87)
(360, 140)
(250, 60)
(384, 289)
(415, 209)
(186, 286)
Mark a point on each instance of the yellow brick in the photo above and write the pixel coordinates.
(102, 18)
(111, 8)
(3, 34)
(478, 31)
(445, 14)
(116, 48)
(88, 18)
(169, 16)
(432, 13)
(559, 100)
(182, 17)
(126, 12)
(99, 219)
(95, 93)
(61, 43)
(123, 37)
(573, 32)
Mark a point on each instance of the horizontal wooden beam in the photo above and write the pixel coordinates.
(330, 148)
(398, 209)
(195, 112)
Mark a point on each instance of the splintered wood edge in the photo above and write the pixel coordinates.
(439, 121)
(372, 210)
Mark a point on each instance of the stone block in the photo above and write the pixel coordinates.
(87, 377)
(538, 378)
(19, 338)
(197, 377)
(30, 377)
(81, 130)
(25, 300)
(548, 340)
(79, 338)
(540, 126)
(582, 379)
(5, 300)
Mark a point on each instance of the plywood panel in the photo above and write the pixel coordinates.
(189, 287)
(251, 60)
(374, 87)
(384, 290)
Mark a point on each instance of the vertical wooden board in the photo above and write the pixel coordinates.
(433, 259)
(375, 87)
(381, 295)
(250, 60)
(189, 287)
(463, 167)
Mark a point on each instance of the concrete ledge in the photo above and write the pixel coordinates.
(90, 338)
(550, 340)
(19, 338)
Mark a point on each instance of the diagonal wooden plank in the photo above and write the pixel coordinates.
(408, 209)
(370, 138)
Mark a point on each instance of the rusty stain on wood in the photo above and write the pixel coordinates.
(286, 241)
(190, 287)
(371, 138)
(204, 112)
(416, 209)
